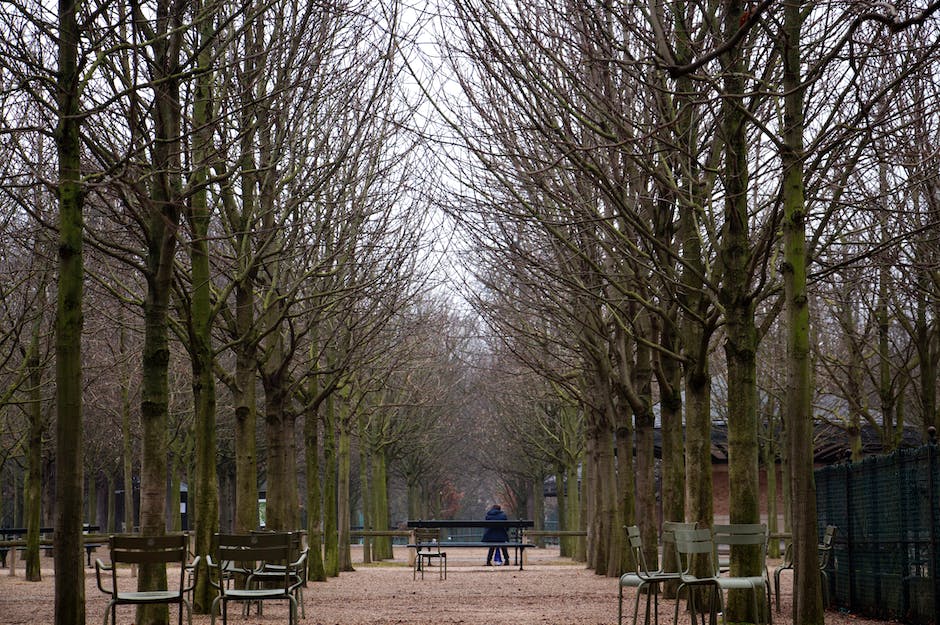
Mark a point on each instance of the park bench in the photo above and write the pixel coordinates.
(14, 538)
(516, 528)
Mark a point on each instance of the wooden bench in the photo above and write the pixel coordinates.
(515, 527)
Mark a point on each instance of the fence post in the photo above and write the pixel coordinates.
(850, 556)
(932, 466)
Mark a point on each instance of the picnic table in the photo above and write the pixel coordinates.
(516, 528)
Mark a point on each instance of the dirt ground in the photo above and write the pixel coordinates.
(551, 590)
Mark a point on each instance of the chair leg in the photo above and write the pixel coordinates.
(300, 600)
(110, 608)
(777, 586)
(620, 605)
(713, 613)
(636, 603)
(292, 614)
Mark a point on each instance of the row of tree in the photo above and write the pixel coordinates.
(658, 195)
(233, 188)
(238, 194)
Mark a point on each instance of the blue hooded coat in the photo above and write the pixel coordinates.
(496, 534)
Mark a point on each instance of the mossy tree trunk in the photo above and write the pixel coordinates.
(365, 490)
(641, 403)
(382, 546)
(330, 537)
(673, 453)
(69, 567)
(315, 570)
(241, 214)
(694, 329)
(204, 502)
(807, 594)
(162, 232)
(740, 332)
(33, 483)
(244, 400)
(127, 437)
(343, 475)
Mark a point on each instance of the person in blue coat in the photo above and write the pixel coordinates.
(496, 534)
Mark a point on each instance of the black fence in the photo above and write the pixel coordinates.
(885, 557)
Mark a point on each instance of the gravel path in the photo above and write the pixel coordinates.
(551, 590)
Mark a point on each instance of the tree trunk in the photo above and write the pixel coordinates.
(770, 469)
(278, 515)
(645, 513)
(584, 502)
(382, 547)
(244, 398)
(604, 543)
(740, 332)
(204, 503)
(807, 597)
(162, 235)
(91, 501)
(365, 492)
(564, 542)
(673, 454)
(538, 507)
(573, 512)
(127, 438)
(315, 570)
(344, 469)
(33, 486)
(330, 538)
(69, 568)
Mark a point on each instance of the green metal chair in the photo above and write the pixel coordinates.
(252, 551)
(695, 551)
(642, 579)
(824, 550)
(744, 535)
(143, 550)
(428, 549)
(272, 572)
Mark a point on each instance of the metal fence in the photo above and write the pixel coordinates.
(885, 556)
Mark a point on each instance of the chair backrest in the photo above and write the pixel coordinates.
(695, 551)
(743, 536)
(635, 542)
(136, 549)
(668, 539)
(668, 534)
(825, 547)
(255, 549)
(428, 538)
(296, 536)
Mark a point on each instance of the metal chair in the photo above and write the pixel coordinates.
(743, 535)
(824, 550)
(271, 572)
(252, 551)
(695, 551)
(143, 550)
(427, 549)
(642, 579)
